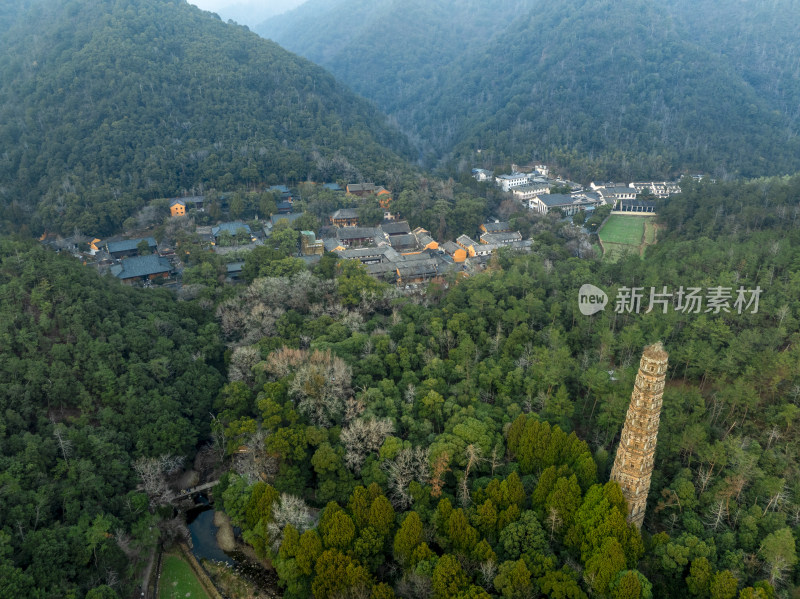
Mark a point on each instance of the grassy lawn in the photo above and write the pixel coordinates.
(627, 230)
(178, 580)
(650, 232)
(623, 234)
(614, 251)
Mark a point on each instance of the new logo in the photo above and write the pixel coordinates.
(591, 300)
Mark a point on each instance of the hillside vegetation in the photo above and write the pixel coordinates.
(607, 89)
(436, 433)
(98, 382)
(104, 105)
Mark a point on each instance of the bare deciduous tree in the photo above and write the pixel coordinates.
(288, 509)
(554, 521)
(251, 460)
(409, 465)
(717, 514)
(64, 444)
(153, 473)
(414, 586)
(488, 570)
(243, 359)
(320, 386)
(473, 454)
(704, 477)
(363, 437)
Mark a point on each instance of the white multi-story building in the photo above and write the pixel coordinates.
(660, 189)
(569, 204)
(506, 182)
(530, 190)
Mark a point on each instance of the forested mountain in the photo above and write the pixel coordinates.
(428, 430)
(106, 104)
(97, 382)
(608, 89)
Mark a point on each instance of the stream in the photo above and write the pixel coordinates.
(200, 520)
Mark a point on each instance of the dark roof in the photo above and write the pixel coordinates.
(285, 206)
(465, 240)
(330, 244)
(291, 217)
(399, 227)
(501, 237)
(556, 199)
(423, 255)
(345, 213)
(188, 200)
(129, 245)
(231, 228)
(141, 266)
(497, 227)
(535, 186)
(356, 187)
(379, 268)
(419, 268)
(619, 189)
(424, 239)
(403, 241)
(365, 253)
(355, 232)
(451, 247)
(642, 203)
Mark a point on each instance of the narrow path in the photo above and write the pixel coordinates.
(146, 574)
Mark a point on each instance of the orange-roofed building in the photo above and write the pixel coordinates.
(177, 208)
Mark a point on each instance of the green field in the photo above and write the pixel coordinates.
(626, 230)
(650, 230)
(178, 580)
(622, 234)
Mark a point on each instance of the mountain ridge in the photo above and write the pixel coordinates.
(103, 106)
(550, 82)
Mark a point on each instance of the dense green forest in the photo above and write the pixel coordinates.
(105, 105)
(605, 89)
(451, 444)
(98, 383)
(429, 430)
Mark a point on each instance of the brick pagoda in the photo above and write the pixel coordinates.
(633, 464)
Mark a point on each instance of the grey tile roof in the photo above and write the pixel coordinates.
(419, 268)
(129, 245)
(381, 268)
(345, 213)
(231, 228)
(403, 241)
(291, 217)
(399, 227)
(363, 187)
(501, 237)
(465, 240)
(330, 244)
(451, 247)
(141, 266)
(497, 227)
(355, 232)
(556, 199)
